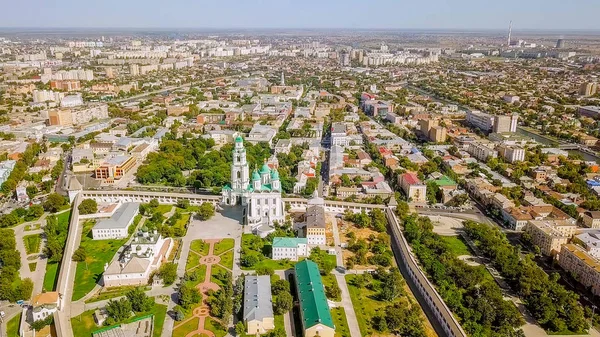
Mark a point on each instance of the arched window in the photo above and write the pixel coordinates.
(239, 174)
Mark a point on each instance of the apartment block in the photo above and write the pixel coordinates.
(550, 235)
(584, 267)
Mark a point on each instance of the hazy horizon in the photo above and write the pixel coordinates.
(532, 15)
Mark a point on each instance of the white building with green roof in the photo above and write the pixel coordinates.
(260, 194)
(314, 309)
(289, 248)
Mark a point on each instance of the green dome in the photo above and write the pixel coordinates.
(265, 169)
(274, 175)
(255, 175)
(239, 139)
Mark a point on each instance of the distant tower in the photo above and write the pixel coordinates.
(509, 32)
(560, 43)
(282, 79)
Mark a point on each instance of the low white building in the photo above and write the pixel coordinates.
(116, 227)
(145, 254)
(44, 305)
(289, 248)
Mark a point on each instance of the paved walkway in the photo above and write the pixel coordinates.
(203, 311)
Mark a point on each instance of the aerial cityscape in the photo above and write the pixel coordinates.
(263, 168)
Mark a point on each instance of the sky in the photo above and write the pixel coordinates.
(373, 14)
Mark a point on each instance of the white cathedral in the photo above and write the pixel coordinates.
(260, 194)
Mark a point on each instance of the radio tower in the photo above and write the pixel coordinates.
(509, 32)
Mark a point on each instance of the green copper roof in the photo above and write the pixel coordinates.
(288, 242)
(255, 175)
(274, 174)
(227, 187)
(444, 181)
(265, 169)
(311, 294)
(239, 139)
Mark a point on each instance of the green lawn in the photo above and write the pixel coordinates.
(32, 266)
(108, 293)
(182, 223)
(63, 217)
(201, 272)
(214, 271)
(83, 325)
(200, 247)
(457, 245)
(164, 208)
(51, 276)
(12, 326)
(223, 246)
(329, 280)
(279, 322)
(227, 259)
(186, 328)
(365, 306)
(215, 327)
(99, 252)
(193, 260)
(32, 243)
(341, 324)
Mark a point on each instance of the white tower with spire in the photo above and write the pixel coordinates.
(282, 79)
(509, 33)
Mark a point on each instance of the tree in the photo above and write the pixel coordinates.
(333, 291)
(54, 202)
(118, 310)
(168, 273)
(140, 302)
(183, 203)
(205, 211)
(88, 206)
(280, 286)
(393, 285)
(240, 329)
(79, 255)
(188, 296)
(283, 303)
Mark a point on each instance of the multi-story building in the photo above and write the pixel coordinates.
(60, 117)
(66, 85)
(482, 151)
(584, 267)
(437, 134)
(588, 89)
(289, 248)
(314, 309)
(480, 120)
(549, 235)
(504, 123)
(115, 168)
(315, 225)
(591, 219)
(590, 241)
(41, 96)
(6, 168)
(339, 135)
(258, 305)
(512, 153)
(414, 189)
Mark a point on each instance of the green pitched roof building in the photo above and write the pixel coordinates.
(314, 310)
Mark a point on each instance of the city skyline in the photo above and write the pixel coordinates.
(268, 14)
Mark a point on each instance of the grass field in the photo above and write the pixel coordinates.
(223, 246)
(108, 293)
(63, 217)
(12, 326)
(163, 209)
(215, 327)
(341, 324)
(200, 247)
(273, 264)
(32, 266)
(83, 325)
(32, 243)
(186, 328)
(457, 245)
(182, 223)
(227, 259)
(98, 252)
(364, 304)
(51, 276)
(201, 275)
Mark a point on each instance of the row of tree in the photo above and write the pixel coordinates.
(10, 262)
(469, 291)
(135, 300)
(555, 308)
